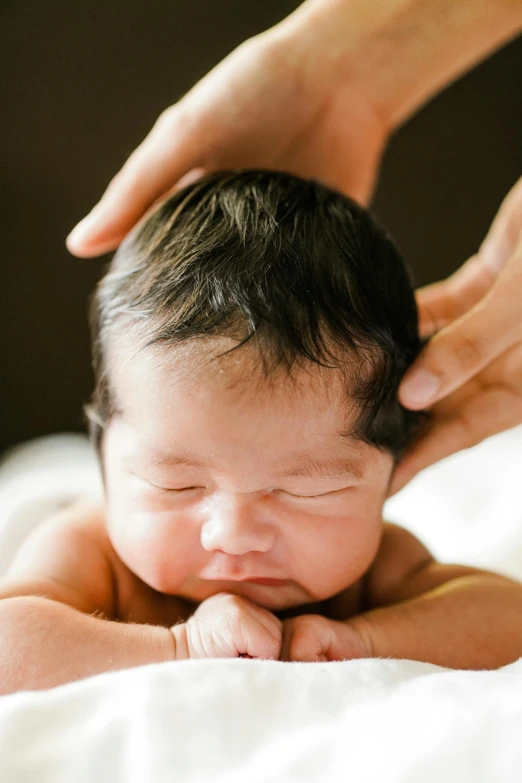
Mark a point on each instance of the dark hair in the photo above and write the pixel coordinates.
(298, 266)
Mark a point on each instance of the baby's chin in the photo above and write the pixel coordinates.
(275, 598)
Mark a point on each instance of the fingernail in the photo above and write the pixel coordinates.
(84, 229)
(421, 387)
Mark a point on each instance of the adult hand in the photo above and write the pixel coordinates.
(470, 373)
(270, 104)
(318, 95)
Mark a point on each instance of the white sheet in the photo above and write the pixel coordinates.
(261, 721)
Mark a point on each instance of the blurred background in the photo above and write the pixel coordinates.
(83, 83)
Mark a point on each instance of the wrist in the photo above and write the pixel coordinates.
(346, 43)
(396, 54)
(179, 634)
(359, 638)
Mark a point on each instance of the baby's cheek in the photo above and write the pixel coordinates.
(153, 547)
(343, 550)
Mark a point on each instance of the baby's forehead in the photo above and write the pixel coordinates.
(229, 361)
(234, 376)
(173, 402)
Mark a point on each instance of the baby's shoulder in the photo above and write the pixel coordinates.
(65, 559)
(70, 558)
(399, 555)
(132, 599)
(399, 544)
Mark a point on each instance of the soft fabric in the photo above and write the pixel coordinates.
(244, 721)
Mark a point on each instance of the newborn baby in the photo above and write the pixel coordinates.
(249, 339)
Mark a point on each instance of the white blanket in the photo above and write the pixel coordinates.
(243, 721)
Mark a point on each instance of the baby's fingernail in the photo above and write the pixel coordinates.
(421, 388)
(84, 229)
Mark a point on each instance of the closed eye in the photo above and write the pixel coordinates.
(316, 497)
(310, 497)
(172, 489)
(182, 489)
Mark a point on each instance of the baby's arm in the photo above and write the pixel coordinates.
(60, 579)
(451, 615)
(419, 609)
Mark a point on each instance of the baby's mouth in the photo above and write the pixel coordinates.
(218, 574)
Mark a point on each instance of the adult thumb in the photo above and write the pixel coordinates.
(461, 350)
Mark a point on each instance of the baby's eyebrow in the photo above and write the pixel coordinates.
(159, 459)
(310, 467)
(304, 465)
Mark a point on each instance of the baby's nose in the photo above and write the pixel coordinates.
(235, 526)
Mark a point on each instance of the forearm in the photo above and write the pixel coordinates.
(401, 52)
(473, 622)
(44, 644)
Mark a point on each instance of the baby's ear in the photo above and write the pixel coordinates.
(95, 425)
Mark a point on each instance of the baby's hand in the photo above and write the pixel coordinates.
(228, 626)
(314, 638)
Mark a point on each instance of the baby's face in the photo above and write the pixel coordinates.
(216, 477)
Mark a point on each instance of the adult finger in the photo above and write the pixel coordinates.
(441, 303)
(483, 407)
(166, 154)
(443, 439)
(470, 343)
(505, 231)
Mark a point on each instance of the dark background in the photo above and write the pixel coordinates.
(83, 83)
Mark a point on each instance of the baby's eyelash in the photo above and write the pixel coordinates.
(181, 489)
(321, 495)
(171, 489)
(309, 497)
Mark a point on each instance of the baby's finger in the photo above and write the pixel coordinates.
(314, 638)
(305, 639)
(262, 634)
(236, 626)
(264, 619)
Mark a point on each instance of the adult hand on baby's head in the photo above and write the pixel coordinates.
(228, 626)
(317, 96)
(471, 370)
(279, 101)
(314, 638)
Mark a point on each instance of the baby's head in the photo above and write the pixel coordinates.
(249, 340)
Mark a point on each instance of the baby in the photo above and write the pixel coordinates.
(249, 340)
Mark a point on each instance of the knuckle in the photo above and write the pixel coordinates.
(305, 636)
(275, 633)
(226, 599)
(167, 117)
(314, 623)
(364, 642)
(273, 646)
(467, 350)
(224, 605)
(465, 428)
(233, 606)
(198, 639)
